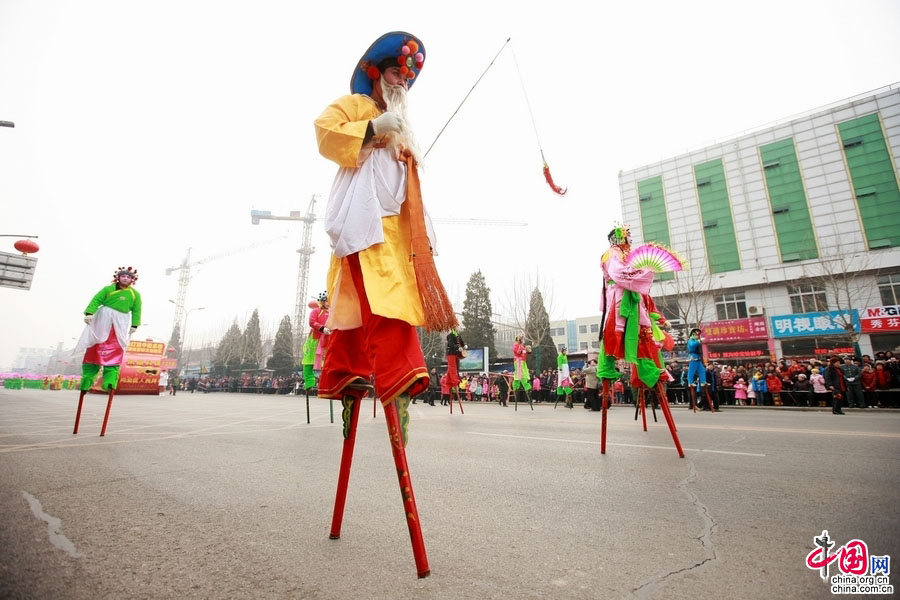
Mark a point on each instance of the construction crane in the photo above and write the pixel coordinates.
(184, 277)
(306, 250)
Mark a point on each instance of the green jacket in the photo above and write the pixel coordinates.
(124, 301)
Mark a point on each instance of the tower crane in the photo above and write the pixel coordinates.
(307, 250)
(184, 277)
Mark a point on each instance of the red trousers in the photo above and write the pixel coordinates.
(389, 348)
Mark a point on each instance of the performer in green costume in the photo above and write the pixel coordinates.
(564, 378)
(112, 315)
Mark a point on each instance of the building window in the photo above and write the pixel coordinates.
(582, 329)
(595, 344)
(582, 346)
(889, 286)
(731, 306)
(560, 346)
(595, 327)
(807, 297)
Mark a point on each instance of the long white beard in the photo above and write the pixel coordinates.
(396, 101)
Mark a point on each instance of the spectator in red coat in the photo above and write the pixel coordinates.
(773, 382)
(868, 380)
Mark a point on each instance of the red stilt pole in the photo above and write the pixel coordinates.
(693, 394)
(112, 392)
(354, 399)
(461, 411)
(603, 400)
(709, 400)
(664, 404)
(406, 490)
(643, 408)
(78, 413)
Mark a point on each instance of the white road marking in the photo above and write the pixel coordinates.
(545, 439)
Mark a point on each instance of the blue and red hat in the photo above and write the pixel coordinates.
(405, 48)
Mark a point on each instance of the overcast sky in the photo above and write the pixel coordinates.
(146, 128)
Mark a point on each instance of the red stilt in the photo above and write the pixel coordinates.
(112, 392)
(709, 400)
(664, 404)
(406, 490)
(78, 413)
(693, 394)
(461, 411)
(643, 408)
(351, 402)
(603, 403)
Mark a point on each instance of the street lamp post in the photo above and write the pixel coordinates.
(182, 364)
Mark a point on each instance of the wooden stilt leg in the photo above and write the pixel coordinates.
(307, 406)
(351, 403)
(664, 404)
(709, 400)
(462, 412)
(528, 396)
(112, 392)
(693, 394)
(643, 408)
(603, 403)
(78, 413)
(392, 418)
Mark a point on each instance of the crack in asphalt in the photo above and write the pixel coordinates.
(54, 525)
(647, 590)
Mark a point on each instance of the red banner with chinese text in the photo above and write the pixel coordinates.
(735, 330)
(143, 362)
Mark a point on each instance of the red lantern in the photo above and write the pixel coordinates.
(27, 246)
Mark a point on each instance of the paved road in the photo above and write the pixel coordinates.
(230, 496)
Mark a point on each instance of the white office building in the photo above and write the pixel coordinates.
(792, 233)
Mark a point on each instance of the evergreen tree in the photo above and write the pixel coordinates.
(175, 342)
(251, 344)
(282, 359)
(228, 353)
(478, 331)
(537, 334)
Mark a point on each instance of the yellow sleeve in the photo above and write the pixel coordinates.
(340, 129)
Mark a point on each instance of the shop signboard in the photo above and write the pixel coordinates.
(735, 330)
(880, 319)
(832, 322)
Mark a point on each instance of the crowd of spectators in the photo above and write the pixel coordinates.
(795, 383)
(246, 383)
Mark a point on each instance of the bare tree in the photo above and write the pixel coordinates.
(845, 273)
(687, 297)
(528, 309)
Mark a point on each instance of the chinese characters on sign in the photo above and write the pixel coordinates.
(859, 571)
(833, 322)
(735, 330)
(143, 362)
(880, 318)
(738, 354)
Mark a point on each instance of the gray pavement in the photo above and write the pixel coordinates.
(230, 496)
